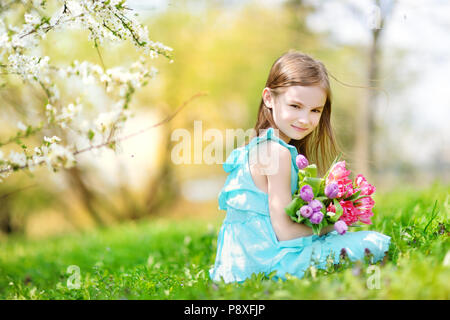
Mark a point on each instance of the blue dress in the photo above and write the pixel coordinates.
(247, 243)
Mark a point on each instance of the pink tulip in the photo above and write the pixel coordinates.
(350, 214)
(365, 217)
(359, 180)
(362, 184)
(365, 205)
(337, 172)
(345, 188)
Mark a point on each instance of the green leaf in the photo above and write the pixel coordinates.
(112, 145)
(322, 189)
(322, 199)
(353, 196)
(316, 229)
(301, 175)
(300, 218)
(360, 197)
(314, 183)
(311, 171)
(339, 211)
(291, 208)
(308, 223)
(91, 134)
(327, 202)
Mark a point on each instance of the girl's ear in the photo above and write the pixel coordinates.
(267, 98)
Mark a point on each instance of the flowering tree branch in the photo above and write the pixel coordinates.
(84, 120)
(54, 140)
(142, 130)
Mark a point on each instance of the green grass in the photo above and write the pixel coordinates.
(165, 259)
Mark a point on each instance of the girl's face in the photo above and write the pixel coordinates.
(296, 111)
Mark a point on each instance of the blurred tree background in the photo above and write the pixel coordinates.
(224, 48)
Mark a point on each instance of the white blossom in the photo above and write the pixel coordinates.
(54, 156)
(37, 151)
(52, 139)
(29, 67)
(21, 126)
(32, 18)
(67, 114)
(58, 155)
(17, 158)
(106, 119)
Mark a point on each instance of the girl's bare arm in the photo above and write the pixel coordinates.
(279, 192)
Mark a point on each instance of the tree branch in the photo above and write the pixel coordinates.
(9, 168)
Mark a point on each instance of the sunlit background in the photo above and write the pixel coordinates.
(226, 49)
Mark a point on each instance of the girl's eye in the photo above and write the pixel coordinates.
(296, 106)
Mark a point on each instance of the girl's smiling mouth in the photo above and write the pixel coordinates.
(298, 129)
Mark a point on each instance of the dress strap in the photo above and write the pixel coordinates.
(269, 134)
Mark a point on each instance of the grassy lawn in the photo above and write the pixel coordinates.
(169, 259)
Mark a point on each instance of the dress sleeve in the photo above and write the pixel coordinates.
(236, 158)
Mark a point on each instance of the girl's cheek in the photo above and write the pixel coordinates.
(316, 120)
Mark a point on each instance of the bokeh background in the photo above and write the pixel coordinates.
(226, 48)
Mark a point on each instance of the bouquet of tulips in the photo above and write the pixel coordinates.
(332, 200)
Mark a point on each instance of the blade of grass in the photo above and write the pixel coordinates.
(433, 215)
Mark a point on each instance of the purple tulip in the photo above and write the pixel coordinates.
(332, 190)
(341, 227)
(301, 161)
(316, 205)
(306, 211)
(306, 193)
(316, 217)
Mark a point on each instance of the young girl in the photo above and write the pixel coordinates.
(257, 235)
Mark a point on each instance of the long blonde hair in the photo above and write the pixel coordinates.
(295, 68)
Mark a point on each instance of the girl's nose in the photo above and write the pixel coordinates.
(303, 120)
